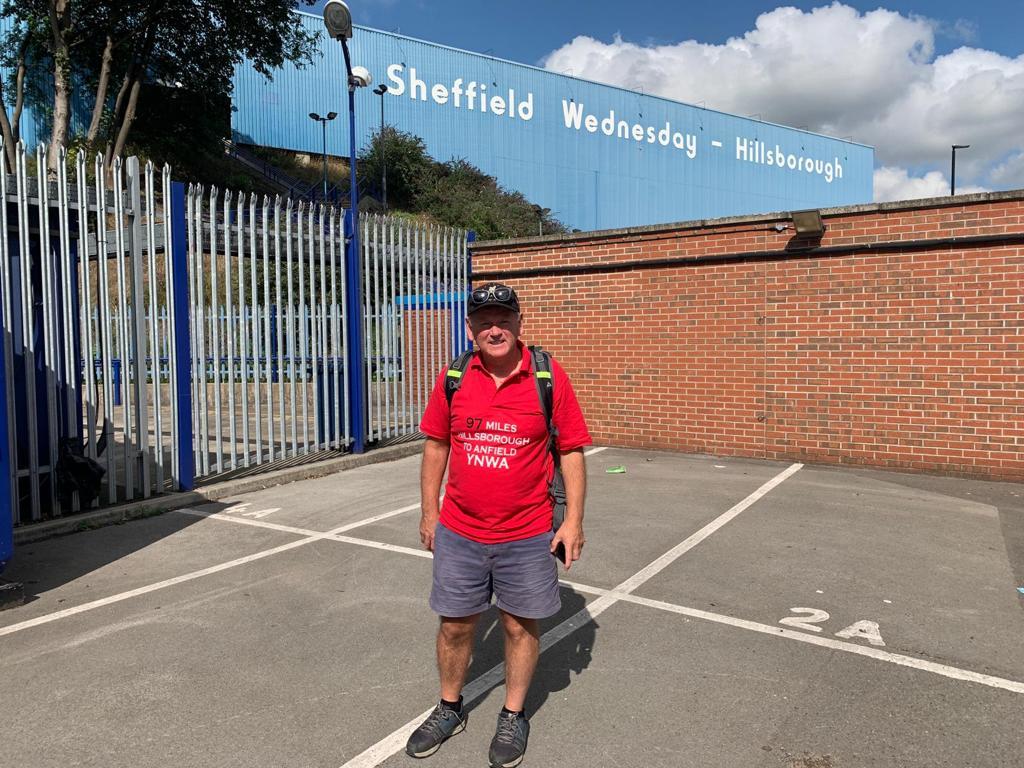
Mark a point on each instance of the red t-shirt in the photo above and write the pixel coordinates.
(499, 467)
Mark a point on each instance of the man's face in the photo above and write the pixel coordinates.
(495, 331)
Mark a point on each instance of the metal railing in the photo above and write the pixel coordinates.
(85, 239)
(269, 370)
(154, 334)
(414, 279)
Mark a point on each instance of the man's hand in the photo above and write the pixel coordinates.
(570, 535)
(435, 459)
(574, 472)
(428, 524)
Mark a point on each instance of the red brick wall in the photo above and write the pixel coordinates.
(906, 358)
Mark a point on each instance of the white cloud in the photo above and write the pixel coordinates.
(873, 76)
(896, 184)
(1010, 174)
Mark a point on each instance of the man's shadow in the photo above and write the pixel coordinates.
(571, 654)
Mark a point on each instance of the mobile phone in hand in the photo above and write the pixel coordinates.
(560, 552)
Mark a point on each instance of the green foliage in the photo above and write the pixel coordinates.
(410, 170)
(455, 193)
(195, 148)
(185, 50)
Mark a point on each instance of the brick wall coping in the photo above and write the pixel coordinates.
(865, 208)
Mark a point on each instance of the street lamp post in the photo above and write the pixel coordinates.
(380, 90)
(338, 20)
(323, 121)
(952, 168)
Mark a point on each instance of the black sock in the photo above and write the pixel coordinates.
(455, 706)
(507, 711)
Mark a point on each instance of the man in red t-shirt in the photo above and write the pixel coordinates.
(492, 534)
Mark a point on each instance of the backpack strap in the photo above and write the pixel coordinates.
(545, 382)
(542, 377)
(453, 376)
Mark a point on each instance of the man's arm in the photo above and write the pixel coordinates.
(435, 459)
(574, 472)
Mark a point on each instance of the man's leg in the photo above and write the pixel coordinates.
(454, 650)
(522, 647)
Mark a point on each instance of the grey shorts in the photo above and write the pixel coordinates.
(521, 574)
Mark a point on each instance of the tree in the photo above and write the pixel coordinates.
(409, 168)
(98, 45)
(456, 193)
(15, 51)
(465, 196)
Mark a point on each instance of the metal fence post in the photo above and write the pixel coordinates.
(182, 461)
(354, 321)
(467, 343)
(7, 506)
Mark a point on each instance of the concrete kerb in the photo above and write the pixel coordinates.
(136, 510)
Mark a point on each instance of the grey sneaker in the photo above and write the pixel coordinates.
(509, 743)
(440, 725)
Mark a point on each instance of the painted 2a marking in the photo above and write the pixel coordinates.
(807, 619)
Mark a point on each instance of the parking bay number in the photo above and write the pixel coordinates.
(808, 619)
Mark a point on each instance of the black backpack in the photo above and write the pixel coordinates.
(546, 393)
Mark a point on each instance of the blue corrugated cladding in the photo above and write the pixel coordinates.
(674, 162)
(31, 131)
(34, 126)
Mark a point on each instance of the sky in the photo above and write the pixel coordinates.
(908, 78)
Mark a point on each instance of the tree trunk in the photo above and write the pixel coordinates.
(61, 113)
(120, 106)
(128, 96)
(101, 93)
(8, 134)
(11, 128)
(61, 83)
(129, 118)
(19, 93)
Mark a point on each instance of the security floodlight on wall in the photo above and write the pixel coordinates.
(338, 20)
(808, 224)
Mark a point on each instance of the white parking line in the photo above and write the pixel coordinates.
(50, 617)
(567, 627)
(395, 741)
(837, 645)
(673, 554)
(310, 537)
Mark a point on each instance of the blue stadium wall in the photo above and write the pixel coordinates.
(676, 161)
(35, 124)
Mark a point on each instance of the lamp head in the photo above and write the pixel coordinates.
(314, 116)
(331, 115)
(808, 224)
(338, 20)
(360, 77)
(381, 89)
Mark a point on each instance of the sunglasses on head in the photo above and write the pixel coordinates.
(495, 292)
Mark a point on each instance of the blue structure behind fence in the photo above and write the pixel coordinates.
(596, 155)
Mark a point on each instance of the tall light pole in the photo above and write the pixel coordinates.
(338, 20)
(323, 122)
(952, 168)
(380, 90)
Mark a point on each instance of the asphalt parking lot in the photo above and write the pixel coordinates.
(727, 612)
